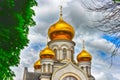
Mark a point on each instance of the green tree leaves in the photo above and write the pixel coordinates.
(15, 19)
(117, 1)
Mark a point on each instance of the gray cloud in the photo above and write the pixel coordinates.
(105, 76)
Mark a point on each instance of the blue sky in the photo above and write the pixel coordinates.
(96, 42)
(112, 38)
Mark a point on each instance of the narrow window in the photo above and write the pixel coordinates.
(48, 67)
(55, 50)
(44, 67)
(82, 67)
(64, 53)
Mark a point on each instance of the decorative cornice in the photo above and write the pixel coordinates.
(63, 40)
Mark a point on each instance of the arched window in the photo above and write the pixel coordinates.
(69, 78)
(82, 67)
(44, 68)
(55, 50)
(64, 53)
(49, 67)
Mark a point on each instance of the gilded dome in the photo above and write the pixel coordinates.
(61, 30)
(84, 56)
(47, 53)
(37, 64)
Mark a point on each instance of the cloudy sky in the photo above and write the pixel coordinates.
(97, 43)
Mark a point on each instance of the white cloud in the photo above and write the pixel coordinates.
(105, 76)
(103, 45)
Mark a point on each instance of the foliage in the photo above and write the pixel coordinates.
(15, 19)
(116, 0)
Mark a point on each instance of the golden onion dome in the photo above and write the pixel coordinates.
(61, 30)
(47, 53)
(37, 64)
(84, 56)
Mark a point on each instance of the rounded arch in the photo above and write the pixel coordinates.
(55, 50)
(73, 70)
(54, 47)
(70, 78)
(73, 75)
(64, 46)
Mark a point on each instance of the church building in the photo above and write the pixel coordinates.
(57, 61)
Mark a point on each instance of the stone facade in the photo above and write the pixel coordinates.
(61, 67)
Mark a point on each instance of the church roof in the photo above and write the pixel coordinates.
(32, 76)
